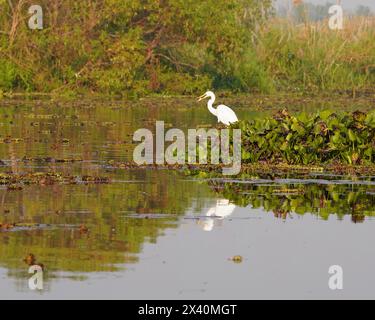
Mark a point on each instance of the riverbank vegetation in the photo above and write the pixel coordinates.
(178, 47)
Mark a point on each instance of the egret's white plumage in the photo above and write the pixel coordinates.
(223, 113)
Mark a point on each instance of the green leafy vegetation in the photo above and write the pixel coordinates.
(325, 137)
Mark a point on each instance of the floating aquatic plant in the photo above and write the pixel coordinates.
(17, 181)
(324, 137)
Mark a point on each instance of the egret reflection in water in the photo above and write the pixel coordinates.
(220, 211)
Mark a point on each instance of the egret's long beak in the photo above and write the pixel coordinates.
(202, 97)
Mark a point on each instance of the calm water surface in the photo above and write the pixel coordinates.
(159, 234)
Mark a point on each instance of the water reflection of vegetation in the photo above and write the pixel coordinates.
(115, 232)
(322, 200)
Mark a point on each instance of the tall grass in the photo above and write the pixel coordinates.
(310, 56)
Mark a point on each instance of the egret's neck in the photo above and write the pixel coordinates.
(210, 105)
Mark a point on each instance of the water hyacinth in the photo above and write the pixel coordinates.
(322, 138)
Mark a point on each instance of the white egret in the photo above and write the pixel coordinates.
(223, 113)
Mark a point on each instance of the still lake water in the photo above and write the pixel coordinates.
(156, 234)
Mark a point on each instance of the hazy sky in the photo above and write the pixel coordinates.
(349, 4)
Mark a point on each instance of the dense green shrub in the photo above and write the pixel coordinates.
(110, 46)
(12, 77)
